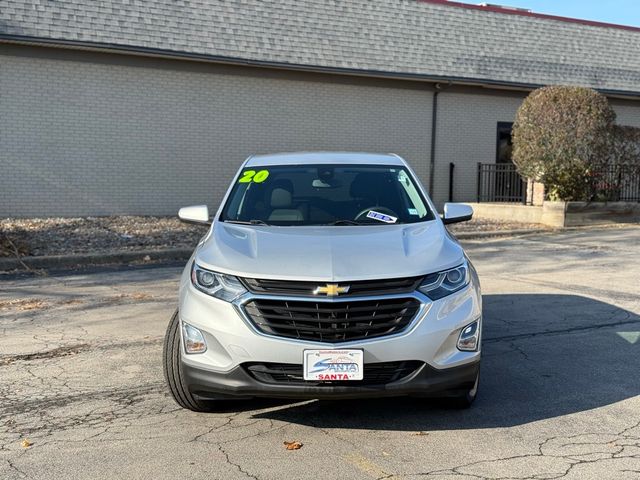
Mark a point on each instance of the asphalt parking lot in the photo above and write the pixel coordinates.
(81, 379)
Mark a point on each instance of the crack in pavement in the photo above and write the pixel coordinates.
(10, 407)
(13, 467)
(229, 423)
(547, 450)
(73, 349)
(588, 290)
(236, 465)
(44, 354)
(562, 331)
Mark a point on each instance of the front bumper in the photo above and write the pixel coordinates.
(232, 340)
(425, 382)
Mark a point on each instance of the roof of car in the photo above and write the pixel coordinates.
(320, 158)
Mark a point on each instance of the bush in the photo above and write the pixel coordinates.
(621, 173)
(626, 145)
(562, 134)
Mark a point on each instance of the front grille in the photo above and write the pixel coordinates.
(332, 321)
(361, 287)
(373, 374)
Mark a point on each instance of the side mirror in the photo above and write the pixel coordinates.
(456, 212)
(198, 214)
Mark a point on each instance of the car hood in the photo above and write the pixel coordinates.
(329, 253)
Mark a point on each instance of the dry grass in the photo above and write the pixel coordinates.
(23, 304)
(71, 302)
(140, 296)
(62, 236)
(9, 248)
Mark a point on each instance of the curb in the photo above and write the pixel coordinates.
(499, 233)
(524, 231)
(71, 261)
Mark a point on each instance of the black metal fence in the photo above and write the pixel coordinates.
(500, 182)
(616, 183)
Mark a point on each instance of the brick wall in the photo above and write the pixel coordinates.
(86, 134)
(467, 134)
(627, 113)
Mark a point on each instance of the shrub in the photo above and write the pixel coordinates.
(626, 145)
(562, 134)
(620, 174)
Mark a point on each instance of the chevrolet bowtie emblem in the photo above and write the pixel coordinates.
(331, 289)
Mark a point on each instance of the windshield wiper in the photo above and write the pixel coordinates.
(250, 222)
(345, 222)
(355, 222)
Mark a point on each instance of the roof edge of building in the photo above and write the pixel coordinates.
(201, 57)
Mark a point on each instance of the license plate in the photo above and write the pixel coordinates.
(333, 365)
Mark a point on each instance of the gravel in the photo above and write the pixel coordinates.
(64, 236)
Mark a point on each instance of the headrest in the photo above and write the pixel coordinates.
(280, 198)
(283, 183)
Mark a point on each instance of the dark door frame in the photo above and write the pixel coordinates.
(501, 125)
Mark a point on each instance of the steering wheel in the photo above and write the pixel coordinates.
(385, 210)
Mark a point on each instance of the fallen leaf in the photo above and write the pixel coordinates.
(26, 443)
(295, 445)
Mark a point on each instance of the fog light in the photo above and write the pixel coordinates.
(469, 337)
(193, 339)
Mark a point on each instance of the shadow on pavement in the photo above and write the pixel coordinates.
(544, 356)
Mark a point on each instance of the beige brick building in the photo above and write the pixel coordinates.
(141, 107)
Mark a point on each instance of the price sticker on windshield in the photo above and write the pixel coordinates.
(249, 176)
(381, 217)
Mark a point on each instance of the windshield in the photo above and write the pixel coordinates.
(325, 195)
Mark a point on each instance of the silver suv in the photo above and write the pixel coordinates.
(325, 275)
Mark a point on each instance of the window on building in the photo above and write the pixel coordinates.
(504, 145)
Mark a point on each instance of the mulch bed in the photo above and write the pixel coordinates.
(64, 236)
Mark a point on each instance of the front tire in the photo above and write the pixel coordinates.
(172, 367)
(466, 398)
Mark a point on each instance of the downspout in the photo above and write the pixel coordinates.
(438, 87)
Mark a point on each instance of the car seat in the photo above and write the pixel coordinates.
(281, 203)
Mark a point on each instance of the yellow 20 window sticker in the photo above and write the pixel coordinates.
(249, 176)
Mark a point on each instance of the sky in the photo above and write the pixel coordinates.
(624, 12)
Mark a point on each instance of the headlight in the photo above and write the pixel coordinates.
(224, 287)
(441, 284)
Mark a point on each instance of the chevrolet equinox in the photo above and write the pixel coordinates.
(325, 275)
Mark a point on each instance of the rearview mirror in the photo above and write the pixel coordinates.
(456, 212)
(198, 214)
(319, 183)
